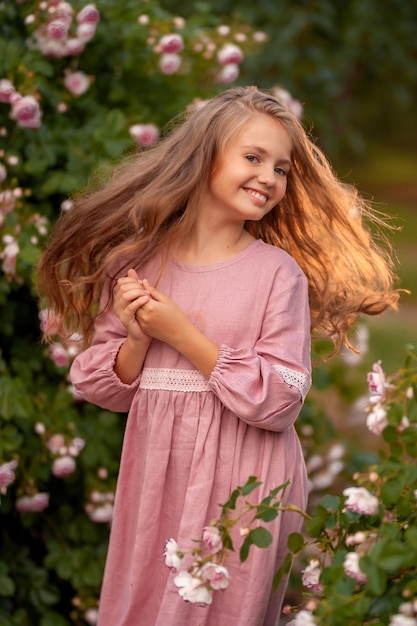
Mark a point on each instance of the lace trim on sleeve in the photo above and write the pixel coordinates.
(296, 379)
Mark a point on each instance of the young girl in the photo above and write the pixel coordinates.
(195, 276)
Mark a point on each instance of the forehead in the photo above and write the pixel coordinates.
(261, 130)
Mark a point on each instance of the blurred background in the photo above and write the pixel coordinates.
(82, 85)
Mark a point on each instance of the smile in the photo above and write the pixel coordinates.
(257, 194)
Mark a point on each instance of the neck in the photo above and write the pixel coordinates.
(203, 248)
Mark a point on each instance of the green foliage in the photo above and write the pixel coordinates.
(55, 518)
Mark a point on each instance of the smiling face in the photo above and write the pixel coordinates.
(250, 174)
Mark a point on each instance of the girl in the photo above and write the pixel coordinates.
(195, 276)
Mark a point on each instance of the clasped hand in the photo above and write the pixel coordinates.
(145, 312)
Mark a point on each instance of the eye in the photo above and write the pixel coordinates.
(280, 171)
(252, 158)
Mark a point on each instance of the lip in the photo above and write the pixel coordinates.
(257, 195)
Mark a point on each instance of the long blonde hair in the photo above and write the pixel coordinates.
(152, 201)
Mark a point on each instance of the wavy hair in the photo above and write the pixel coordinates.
(152, 201)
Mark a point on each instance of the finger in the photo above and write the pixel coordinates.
(132, 274)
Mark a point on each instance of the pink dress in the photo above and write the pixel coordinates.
(189, 441)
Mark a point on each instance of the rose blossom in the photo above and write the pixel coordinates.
(311, 576)
(33, 504)
(55, 443)
(76, 82)
(377, 382)
(173, 556)
(101, 514)
(6, 90)
(88, 15)
(63, 466)
(359, 500)
(7, 475)
(3, 174)
(144, 134)
(352, 569)
(26, 111)
(169, 63)
(7, 200)
(216, 575)
(59, 354)
(58, 29)
(402, 620)
(192, 589)
(377, 420)
(228, 74)
(303, 618)
(171, 43)
(230, 54)
(212, 539)
(85, 31)
(91, 617)
(9, 255)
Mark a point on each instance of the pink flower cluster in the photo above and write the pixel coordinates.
(377, 419)
(65, 451)
(33, 504)
(230, 56)
(59, 35)
(100, 507)
(24, 109)
(205, 574)
(169, 47)
(288, 101)
(61, 354)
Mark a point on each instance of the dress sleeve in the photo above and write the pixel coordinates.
(265, 385)
(92, 371)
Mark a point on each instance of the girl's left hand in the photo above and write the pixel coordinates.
(161, 318)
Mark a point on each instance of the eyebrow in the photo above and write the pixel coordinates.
(262, 151)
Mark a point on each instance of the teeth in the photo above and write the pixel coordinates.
(260, 196)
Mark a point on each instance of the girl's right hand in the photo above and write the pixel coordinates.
(130, 296)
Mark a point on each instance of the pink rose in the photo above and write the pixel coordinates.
(376, 380)
(7, 200)
(192, 589)
(57, 29)
(55, 443)
(169, 63)
(144, 134)
(7, 475)
(359, 500)
(26, 111)
(86, 31)
(311, 576)
(228, 74)
(76, 82)
(377, 420)
(59, 354)
(173, 556)
(75, 46)
(6, 90)
(33, 504)
(212, 539)
(230, 54)
(216, 575)
(352, 569)
(9, 255)
(171, 43)
(88, 15)
(63, 466)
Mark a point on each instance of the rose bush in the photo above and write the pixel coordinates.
(81, 84)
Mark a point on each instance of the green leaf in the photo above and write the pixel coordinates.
(7, 586)
(296, 542)
(283, 570)
(251, 484)
(261, 537)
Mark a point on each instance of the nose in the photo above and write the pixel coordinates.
(266, 176)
